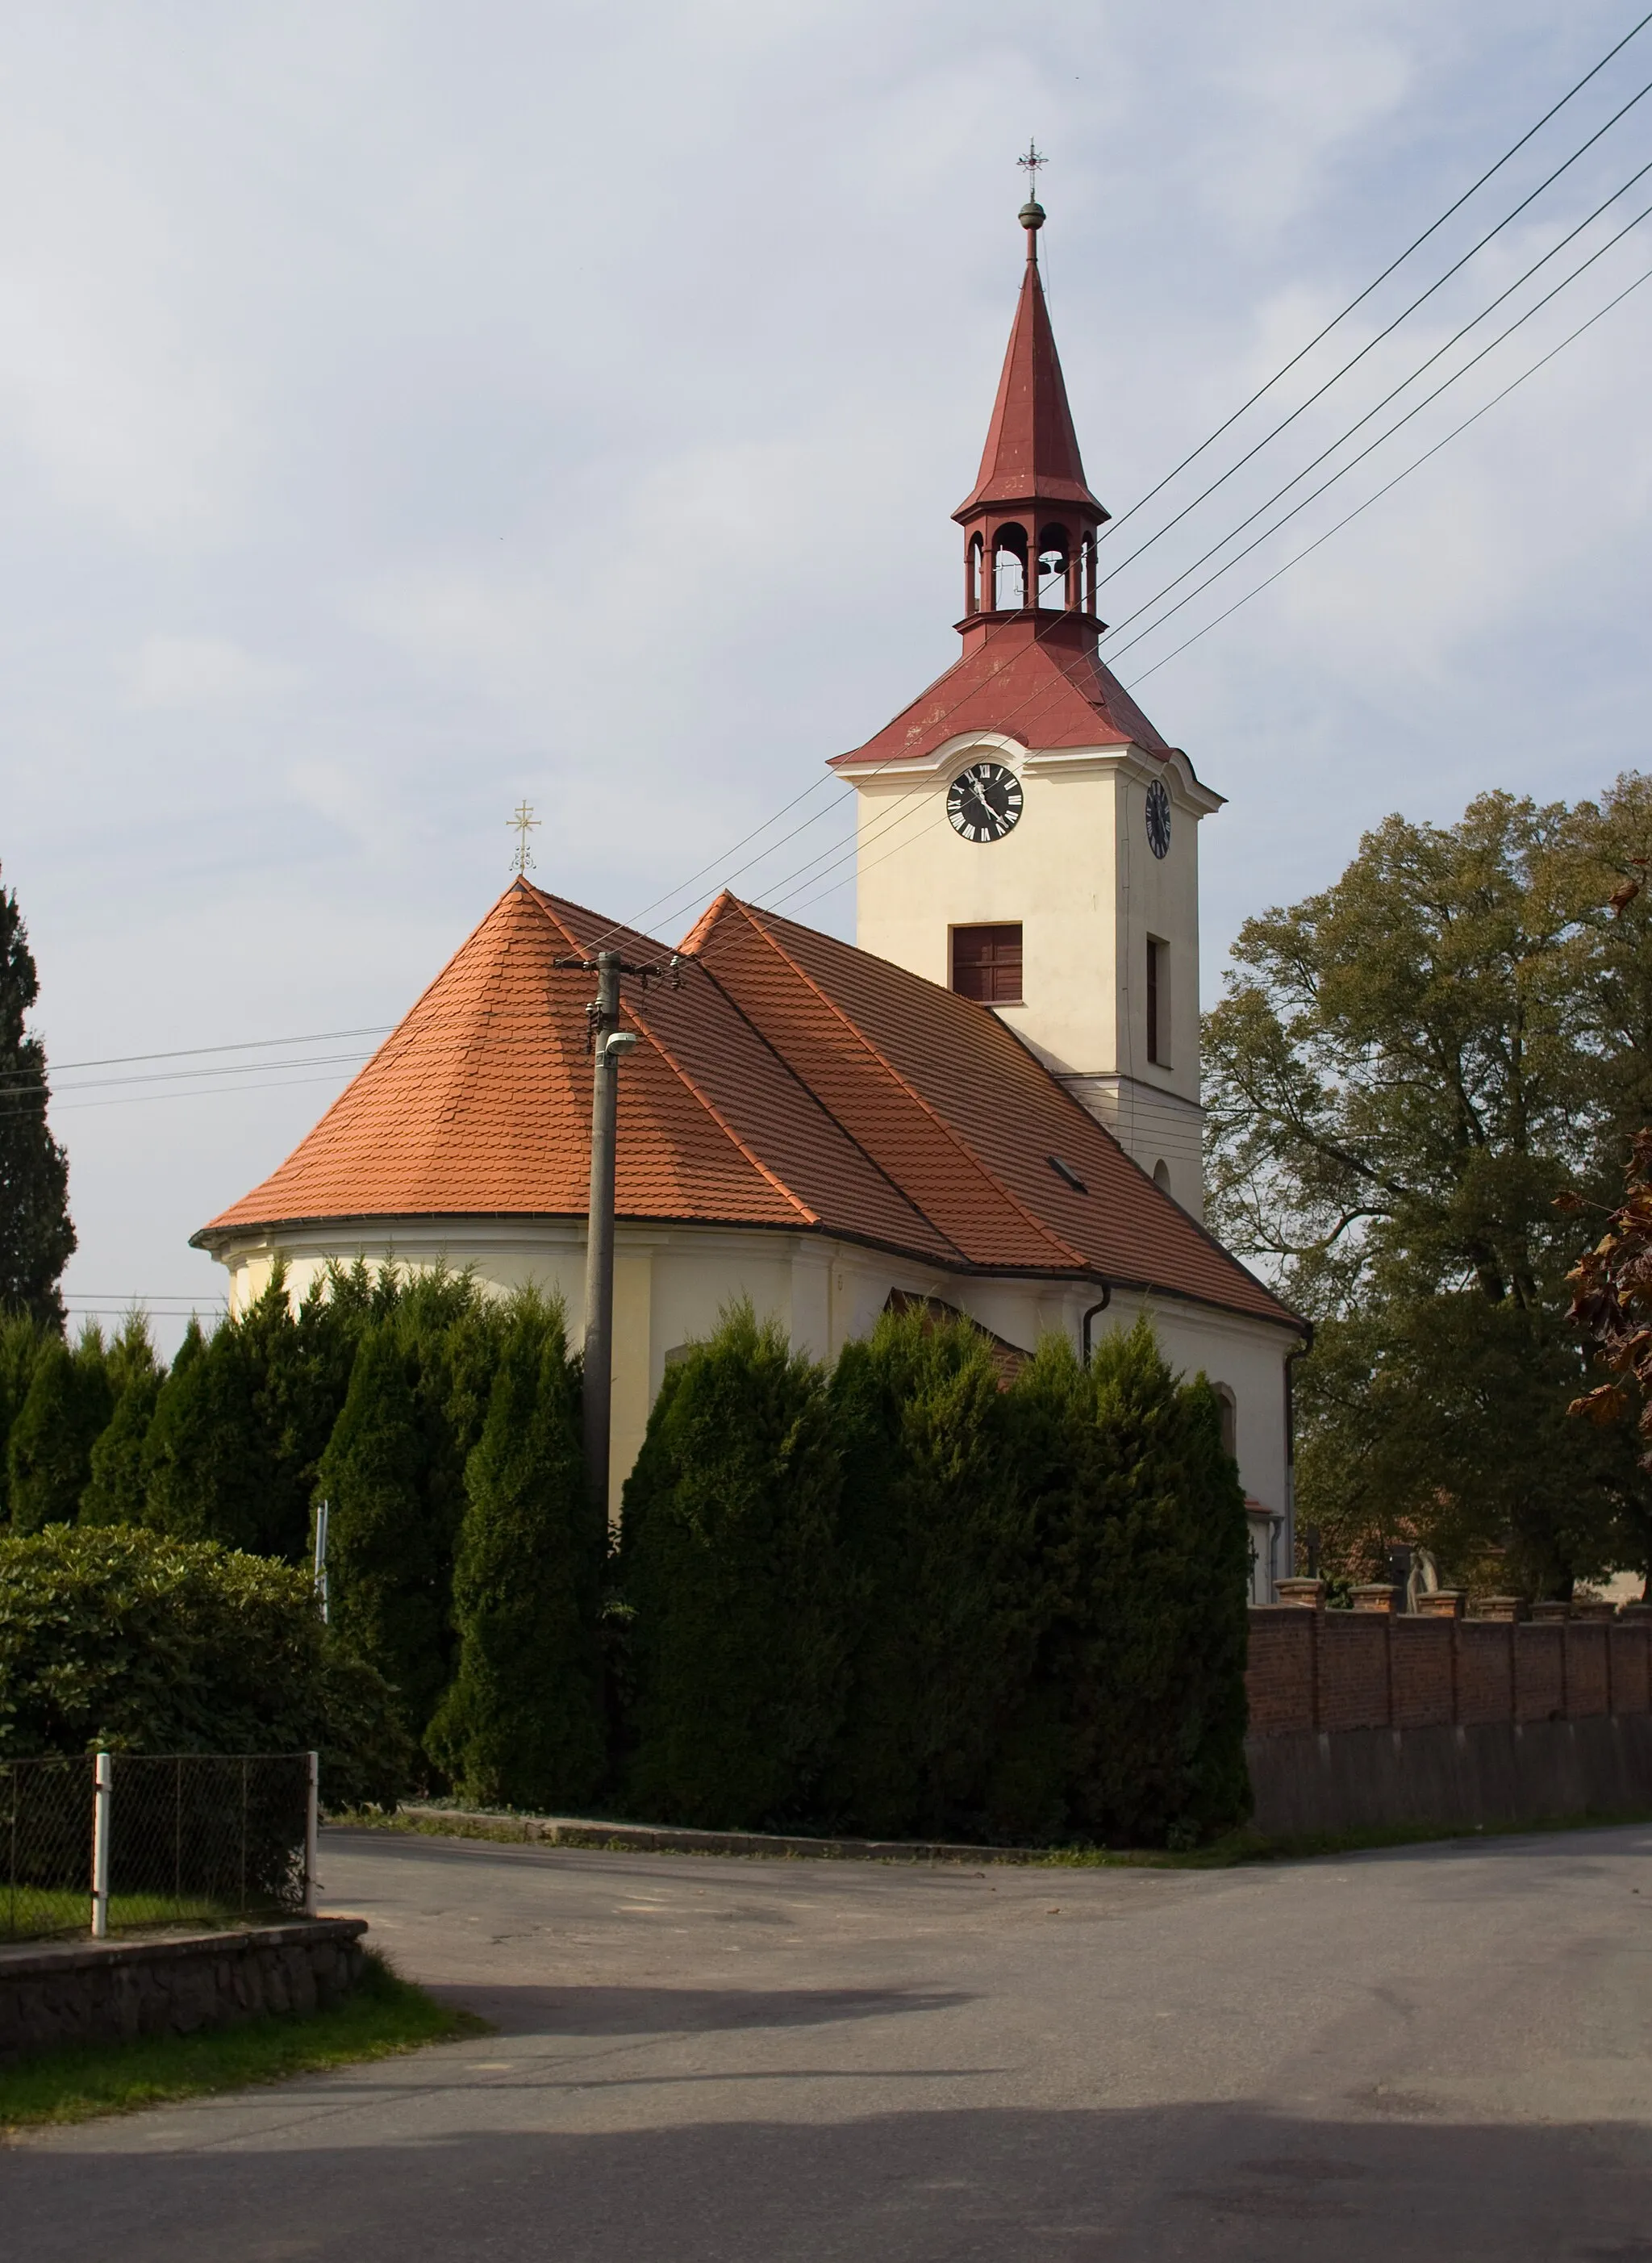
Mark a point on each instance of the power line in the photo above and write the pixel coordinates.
(1390, 485)
(244, 1045)
(1371, 344)
(1416, 244)
(1393, 394)
(1399, 423)
(803, 873)
(719, 863)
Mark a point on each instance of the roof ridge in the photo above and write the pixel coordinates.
(1044, 1233)
(389, 1051)
(901, 1193)
(716, 1114)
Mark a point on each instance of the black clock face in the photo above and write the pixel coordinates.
(1157, 819)
(985, 801)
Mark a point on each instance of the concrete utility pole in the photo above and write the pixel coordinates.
(609, 1042)
(609, 1045)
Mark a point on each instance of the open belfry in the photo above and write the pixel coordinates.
(989, 1102)
(1078, 918)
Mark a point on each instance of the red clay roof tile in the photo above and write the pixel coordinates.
(783, 1079)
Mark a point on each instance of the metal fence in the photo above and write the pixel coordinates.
(107, 1842)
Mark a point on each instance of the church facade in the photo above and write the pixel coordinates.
(989, 1103)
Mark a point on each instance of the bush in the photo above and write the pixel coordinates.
(522, 1725)
(382, 1561)
(49, 1451)
(22, 1340)
(731, 1564)
(941, 1586)
(131, 1641)
(116, 1491)
(203, 1473)
(1143, 1529)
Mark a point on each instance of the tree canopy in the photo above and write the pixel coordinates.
(1406, 1071)
(37, 1238)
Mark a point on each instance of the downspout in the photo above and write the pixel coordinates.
(1106, 1299)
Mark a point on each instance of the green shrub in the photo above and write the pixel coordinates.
(130, 1640)
(49, 1451)
(383, 1562)
(1142, 1528)
(731, 1565)
(522, 1724)
(942, 1587)
(242, 1421)
(205, 1474)
(116, 1491)
(22, 1340)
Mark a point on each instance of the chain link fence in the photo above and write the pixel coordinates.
(45, 1816)
(109, 1842)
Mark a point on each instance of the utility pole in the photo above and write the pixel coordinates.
(609, 1045)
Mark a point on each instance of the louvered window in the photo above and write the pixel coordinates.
(986, 963)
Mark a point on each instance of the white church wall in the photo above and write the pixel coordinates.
(673, 1284)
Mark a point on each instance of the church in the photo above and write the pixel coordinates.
(989, 1103)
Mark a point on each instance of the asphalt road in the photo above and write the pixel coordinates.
(1437, 2052)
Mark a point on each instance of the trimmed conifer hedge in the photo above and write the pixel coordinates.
(904, 1602)
(731, 1565)
(894, 1598)
(522, 1724)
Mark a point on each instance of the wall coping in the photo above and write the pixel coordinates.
(30, 1960)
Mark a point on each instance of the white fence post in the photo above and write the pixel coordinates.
(311, 1831)
(103, 1785)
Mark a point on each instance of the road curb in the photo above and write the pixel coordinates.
(659, 1839)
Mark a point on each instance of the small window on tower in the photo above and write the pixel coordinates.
(986, 963)
(1157, 1002)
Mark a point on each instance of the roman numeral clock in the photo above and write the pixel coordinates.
(984, 802)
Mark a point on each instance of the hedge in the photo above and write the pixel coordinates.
(731, 1565)
(522, 1723)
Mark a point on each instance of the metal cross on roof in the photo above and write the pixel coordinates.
(1029, 165)
(522, 824)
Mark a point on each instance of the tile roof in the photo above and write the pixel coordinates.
(1034, 678)
(783, 1079)
(1032, 449)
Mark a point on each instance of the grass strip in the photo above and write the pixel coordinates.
(385, 2016)
(1227, 1853)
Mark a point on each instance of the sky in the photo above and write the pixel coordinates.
(406, 410)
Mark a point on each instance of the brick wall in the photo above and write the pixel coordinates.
(1315, 1669)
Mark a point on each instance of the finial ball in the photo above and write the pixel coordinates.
(1031, 214)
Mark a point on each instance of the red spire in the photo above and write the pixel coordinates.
(1032, 451)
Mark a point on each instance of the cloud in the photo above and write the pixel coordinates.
(203, 671)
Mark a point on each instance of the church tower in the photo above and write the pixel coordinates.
(1025, 836)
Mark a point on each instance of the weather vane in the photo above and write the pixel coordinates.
(522, 824)
(1029, 165)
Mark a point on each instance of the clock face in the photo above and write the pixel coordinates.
(984, 802)
(1157, 819)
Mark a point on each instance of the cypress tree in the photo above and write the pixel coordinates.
(942, 1587)
(37, 1238)
(731, 1562)
(22, 1340)
(117, 1490)
(1144, 1523)
(204, 1470)
(48, 1454)
(522, 1724)
(452, 1336)
(383, 1567)
(299, 1366)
